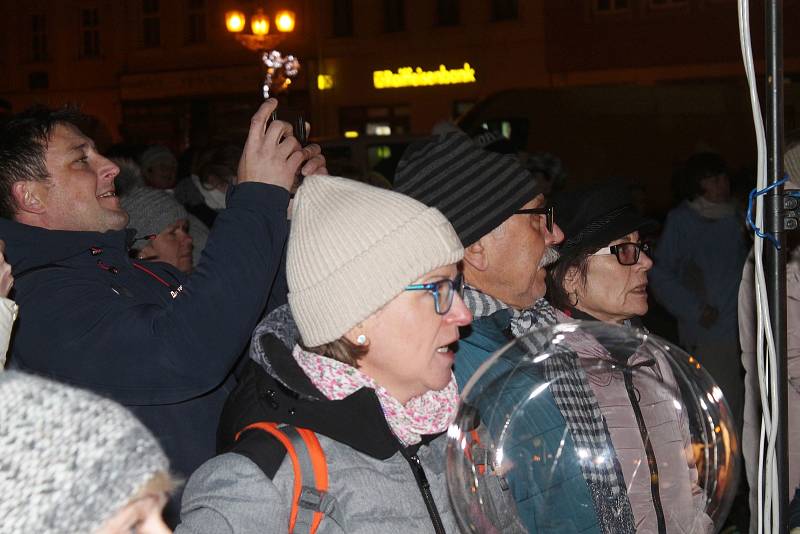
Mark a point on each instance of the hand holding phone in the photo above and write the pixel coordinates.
(296, 119)
(272, 155)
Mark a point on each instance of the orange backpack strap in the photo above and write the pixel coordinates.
(310, 498)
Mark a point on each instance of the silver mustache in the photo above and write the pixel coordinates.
(549, 257)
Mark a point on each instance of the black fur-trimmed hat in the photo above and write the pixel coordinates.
(595, 216)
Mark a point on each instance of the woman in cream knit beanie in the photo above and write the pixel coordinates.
(352, 250)
(375, 294)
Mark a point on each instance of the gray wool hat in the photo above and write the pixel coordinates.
(476, 189)
(69, 459)
(151, 210)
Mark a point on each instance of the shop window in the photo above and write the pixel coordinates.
(342, 18)
(394, 16)
(666, 4)
(377, 120)
(515, 129)
(151, 24)
(90, 33)
(39, 49)
(610, 6)
(379, 128)
(505, 10)
(38, 80)
(196, 22)
(448, 12)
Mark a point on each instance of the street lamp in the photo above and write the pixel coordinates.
(259, 23)
(284, 21)
(279, 68)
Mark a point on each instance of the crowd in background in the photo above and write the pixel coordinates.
(233, 294)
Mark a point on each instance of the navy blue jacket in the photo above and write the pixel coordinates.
(92, 317)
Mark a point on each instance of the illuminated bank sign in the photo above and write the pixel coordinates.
(408, 77)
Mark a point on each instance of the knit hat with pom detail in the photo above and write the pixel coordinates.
(69, 459)
(353, 248)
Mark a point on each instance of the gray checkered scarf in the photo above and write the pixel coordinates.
(578, 405)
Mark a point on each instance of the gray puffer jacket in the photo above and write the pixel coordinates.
(231, 494)
(373, 478)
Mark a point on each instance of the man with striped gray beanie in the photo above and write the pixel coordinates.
(498, 211)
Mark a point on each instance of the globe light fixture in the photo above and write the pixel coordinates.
(259, 23)
(284, 21)
(234, 21)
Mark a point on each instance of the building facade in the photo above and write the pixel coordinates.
(168, 71)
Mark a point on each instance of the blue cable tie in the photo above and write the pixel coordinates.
(750, 223)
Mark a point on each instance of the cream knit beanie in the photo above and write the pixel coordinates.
(353, 248)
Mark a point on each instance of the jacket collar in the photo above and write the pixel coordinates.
(291, 398)
(622, 353)
(30, 247)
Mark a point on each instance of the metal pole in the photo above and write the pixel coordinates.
(775, 259)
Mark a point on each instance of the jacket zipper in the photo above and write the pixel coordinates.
(425, 490)
(648, 448)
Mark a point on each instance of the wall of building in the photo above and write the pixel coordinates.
(504, 54)
(179, 92)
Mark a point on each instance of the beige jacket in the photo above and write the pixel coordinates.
(8, 313)
(752, 402)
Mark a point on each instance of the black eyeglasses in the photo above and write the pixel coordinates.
(626, 253)
(547, 212)
(443, 292)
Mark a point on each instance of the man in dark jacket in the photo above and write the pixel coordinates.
(141, 333)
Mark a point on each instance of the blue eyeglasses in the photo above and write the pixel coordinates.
(443, 292)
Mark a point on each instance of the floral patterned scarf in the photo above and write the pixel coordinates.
(430, 413)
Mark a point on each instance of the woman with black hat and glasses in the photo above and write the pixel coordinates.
(602, 276)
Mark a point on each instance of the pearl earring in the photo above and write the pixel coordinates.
(361, 340)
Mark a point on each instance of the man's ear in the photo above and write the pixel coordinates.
(476, 256)
(28, 196)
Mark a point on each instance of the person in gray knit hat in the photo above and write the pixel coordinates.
(72, 461)
(165, 231)
(500, 214)
(374, 290)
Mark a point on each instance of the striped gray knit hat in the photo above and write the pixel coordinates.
(69, 459)
(474, 188)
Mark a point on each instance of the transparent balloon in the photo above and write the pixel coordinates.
(587, 423)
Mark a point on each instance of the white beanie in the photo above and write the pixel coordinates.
(69, 459)
(353, 248)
